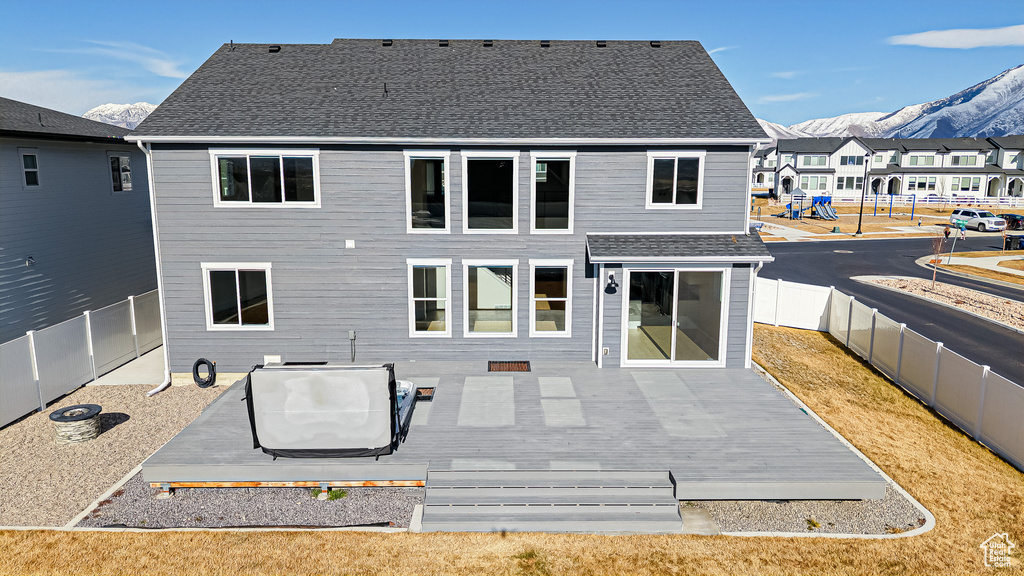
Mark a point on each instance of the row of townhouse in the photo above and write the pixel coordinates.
(925, 167)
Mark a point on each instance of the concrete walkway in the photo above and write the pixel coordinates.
(146, 369)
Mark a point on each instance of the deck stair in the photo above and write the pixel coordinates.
(591, 501)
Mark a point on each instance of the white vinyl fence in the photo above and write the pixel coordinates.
(978, 401)
(46, 364)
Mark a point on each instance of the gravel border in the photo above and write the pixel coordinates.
(135, 505)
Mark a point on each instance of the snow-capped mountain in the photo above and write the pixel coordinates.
(994, 107)
(124, 115)
(777, 131)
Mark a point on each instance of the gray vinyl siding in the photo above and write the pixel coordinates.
(92, 247)
(321, 290)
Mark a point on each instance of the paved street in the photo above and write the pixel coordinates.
(834, 263)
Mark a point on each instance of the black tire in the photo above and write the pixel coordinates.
(211, 377)
(981, 227)
(75, 413)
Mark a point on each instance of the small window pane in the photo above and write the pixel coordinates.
(552, 195)
(223, 297)
(298, 180)
(252, 285)
(490, 299)
(115, 171)
(266, 178)
(234, 179)
(550, 316)
(550, 282)
(489, 194)
(686, 181)
(661, 192)
(32, 178)
(427, 189)
(29, 160)
(428, 282)
(430, 316)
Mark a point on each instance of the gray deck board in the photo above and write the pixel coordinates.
(727, 433)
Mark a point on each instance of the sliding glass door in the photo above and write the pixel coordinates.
(675, 316)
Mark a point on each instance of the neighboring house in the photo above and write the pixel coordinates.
(463, 200)
(75, 226)
(930, 167)
(765, 163)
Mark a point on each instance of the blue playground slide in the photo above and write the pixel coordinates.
(822, 207)
(791, 213)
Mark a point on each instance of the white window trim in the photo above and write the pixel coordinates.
(724, 334)
(543, 263)
(668, 154)
(22, 152)
(207, 267)
(543, 156)
(118, 154)
(248, 152)
(436, 262)
(468, 155)
(446, 157)
(515, 298)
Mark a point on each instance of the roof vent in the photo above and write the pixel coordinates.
(275, 49)
(545, 43)
(601, 43)
(655, 43)
(488, 43)
(387, 42)
(442, 43)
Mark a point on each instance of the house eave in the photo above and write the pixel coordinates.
(412, 141)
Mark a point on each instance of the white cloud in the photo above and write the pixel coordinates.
(721, 49)
(964, 38)
(152, 60)
(787, 75)
(787, 97)
(69, 91)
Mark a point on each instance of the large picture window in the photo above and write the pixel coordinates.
(490, 183)
(238, 296)
(428, 206)
(675, 179)
(551, 298)
(266, 177)
(552, 186)
(430, 292)
(489, 289)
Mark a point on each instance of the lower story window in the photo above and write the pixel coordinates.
(490, 297)
(429, 294)
(813, 182)
(551, 289)
(238, 296)
(849, 183)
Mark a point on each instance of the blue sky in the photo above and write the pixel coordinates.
(789, 61)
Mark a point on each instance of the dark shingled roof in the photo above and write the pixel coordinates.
(513, 89)
(1008, 142)
(676, 248)
(811, 145)
(19, 117)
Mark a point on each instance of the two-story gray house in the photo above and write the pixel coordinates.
(75, 226)
(463, 200)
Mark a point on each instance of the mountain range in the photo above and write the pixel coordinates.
(124, 115)
(994, 107)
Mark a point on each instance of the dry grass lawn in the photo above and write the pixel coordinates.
(847, 223)
(1014, 264)
(989, 253)
(983, 272)
(971, 492)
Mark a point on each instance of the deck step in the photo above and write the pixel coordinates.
(594, 501)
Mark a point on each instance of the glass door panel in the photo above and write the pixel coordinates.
(698, 315)
(649, 326)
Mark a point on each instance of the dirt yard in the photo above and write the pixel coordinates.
(971, 492)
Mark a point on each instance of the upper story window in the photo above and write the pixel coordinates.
(770, 164)
(552, 192)
(787, 159)
(120, 171)
(237, 296)
(894, 158)
(29, 167)
(428, 207)
(922, 161)
(266, 177)
(490, 192)
(675, 179)
(817, 160)
(851, 160)
(879, 159)
(963, 160)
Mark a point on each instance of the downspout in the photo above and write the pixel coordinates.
(147, 150)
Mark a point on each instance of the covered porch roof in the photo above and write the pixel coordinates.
(618, 248)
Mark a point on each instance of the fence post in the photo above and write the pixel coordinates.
(849, 321)
(899, 355)
(778, 299)
(35, 366)
(831, 302)
(88, 342)
(871, 341)
(135, 334)
(981, 402)
(935, 383)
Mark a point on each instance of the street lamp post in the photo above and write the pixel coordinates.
(863, 193)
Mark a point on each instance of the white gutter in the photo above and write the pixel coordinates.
(448, 141)
(159, 267)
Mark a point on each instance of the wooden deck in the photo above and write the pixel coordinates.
(723, 434)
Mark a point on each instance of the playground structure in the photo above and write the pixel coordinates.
(821, 207)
